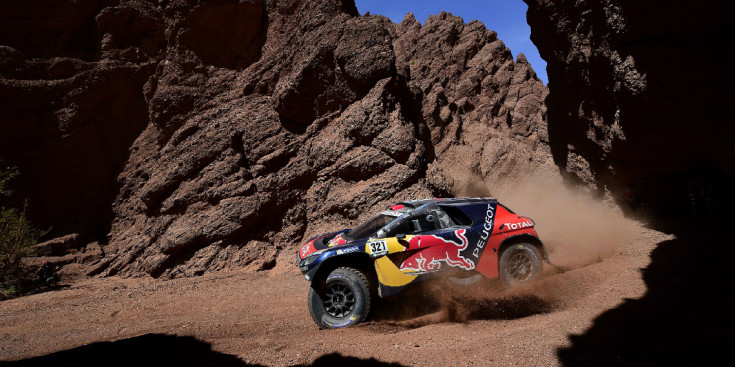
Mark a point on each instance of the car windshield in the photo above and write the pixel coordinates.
(369, 227)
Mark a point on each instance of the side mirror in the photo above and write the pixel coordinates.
(402, 239)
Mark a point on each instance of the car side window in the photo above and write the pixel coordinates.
(444, 220)
(458, 217)
(412, 225)
(404, 227)
(422, 224)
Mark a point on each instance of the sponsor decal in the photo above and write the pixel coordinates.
(347, 322)
(487, 230)
(377, 248)
(348, 250)
(519, 225)
(439, 250)
(306, 249)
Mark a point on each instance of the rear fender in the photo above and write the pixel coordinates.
(531, 238)
(488, 264)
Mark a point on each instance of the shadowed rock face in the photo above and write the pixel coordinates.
(72, 101)
(640, 94)
(195, 145)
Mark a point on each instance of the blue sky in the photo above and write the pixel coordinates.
(507, 17)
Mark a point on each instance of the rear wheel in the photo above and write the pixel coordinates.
(519, 264)
(342, 300)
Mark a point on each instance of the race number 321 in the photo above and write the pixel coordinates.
(378, 248)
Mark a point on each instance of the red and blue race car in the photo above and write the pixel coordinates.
(413, 241)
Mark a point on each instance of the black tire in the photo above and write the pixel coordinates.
(519, 264)
(342, 300)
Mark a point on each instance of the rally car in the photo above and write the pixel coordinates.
(414, 241)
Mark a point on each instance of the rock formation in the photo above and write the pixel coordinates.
(639, 94)
(190, 136)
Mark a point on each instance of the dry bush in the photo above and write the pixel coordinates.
(16, 236)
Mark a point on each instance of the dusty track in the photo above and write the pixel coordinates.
(261, 318)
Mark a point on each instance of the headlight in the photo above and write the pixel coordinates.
(311, 258)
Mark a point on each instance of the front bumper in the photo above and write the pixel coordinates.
(310, 264)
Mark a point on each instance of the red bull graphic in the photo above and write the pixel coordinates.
(337, 241)
(437, 250)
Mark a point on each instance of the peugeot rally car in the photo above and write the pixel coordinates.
(413, 241)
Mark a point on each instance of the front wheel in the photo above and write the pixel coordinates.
(519, 264)
(343, 300)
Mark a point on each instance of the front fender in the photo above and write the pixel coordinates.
(311, 264)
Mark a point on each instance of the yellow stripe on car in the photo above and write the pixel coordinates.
(389, 274)
(395, 246)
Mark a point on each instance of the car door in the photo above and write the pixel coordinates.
(435, 244)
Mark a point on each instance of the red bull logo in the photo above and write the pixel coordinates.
(437, 250)
(337, 241)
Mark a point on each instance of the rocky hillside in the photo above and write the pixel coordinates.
(189, 136)
(640, 95)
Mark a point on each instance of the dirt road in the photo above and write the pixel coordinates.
(239, 318)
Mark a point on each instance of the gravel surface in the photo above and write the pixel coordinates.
(261, 318)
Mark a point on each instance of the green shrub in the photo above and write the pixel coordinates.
(5, 177)
(16, 236)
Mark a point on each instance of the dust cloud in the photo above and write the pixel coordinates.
(473, 186)
(441, 301)
(577, 229)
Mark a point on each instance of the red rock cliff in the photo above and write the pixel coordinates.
(197, 135)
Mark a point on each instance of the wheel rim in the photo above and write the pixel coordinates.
(521, 266)
(339, 299)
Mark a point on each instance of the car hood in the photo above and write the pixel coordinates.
(326, 240)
